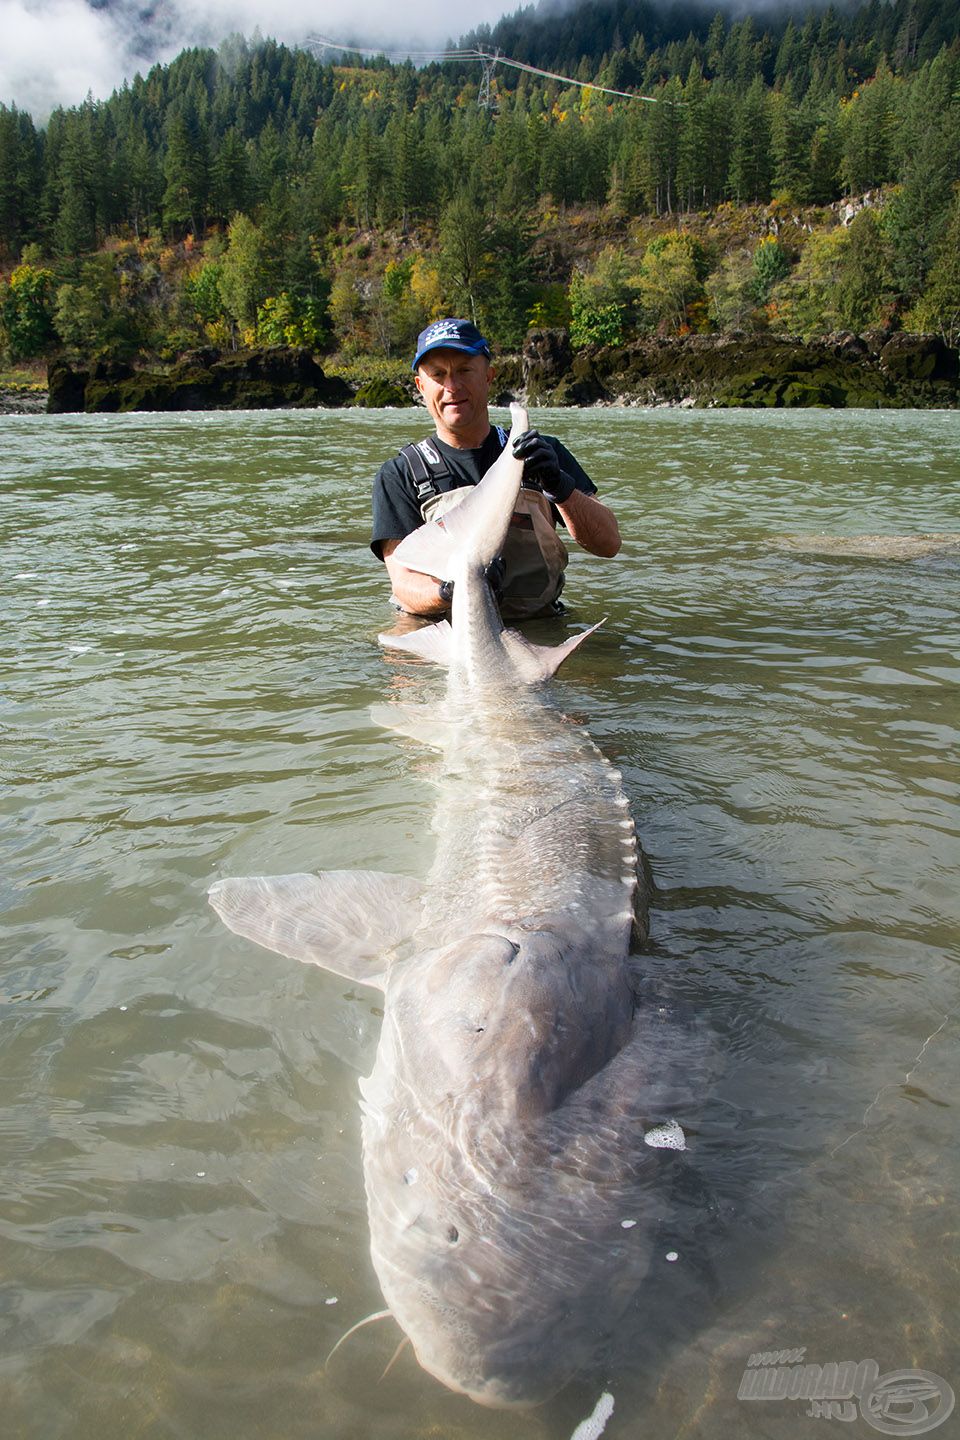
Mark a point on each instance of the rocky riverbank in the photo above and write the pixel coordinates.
(22, 400)
(282, 378)
(876, 370)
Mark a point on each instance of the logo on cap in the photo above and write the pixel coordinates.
(451, 334)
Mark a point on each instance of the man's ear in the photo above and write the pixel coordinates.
(418, 381)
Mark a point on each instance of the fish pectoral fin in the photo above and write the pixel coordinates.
(346, 921)
(416, 722)
(431, 549)
(433, 642)
(534, 663)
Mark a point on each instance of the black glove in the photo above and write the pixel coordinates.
(493, 574)
(541, 466)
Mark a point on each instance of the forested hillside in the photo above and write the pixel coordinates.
(801, 176)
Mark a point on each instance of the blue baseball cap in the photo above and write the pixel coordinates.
(450, 335)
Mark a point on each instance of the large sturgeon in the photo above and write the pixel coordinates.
(504, 1118)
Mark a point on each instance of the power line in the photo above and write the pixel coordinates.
(584, 84)
(322, 43)
(488, 59)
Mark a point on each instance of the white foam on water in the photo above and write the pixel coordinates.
(595, 1424)
(666, 1137)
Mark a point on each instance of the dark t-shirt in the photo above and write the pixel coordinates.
(396, 513)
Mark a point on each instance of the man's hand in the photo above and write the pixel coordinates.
(541, 466)
(425, 594)
(416, 593)
(493, 574)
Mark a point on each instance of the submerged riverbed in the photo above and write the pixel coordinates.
(189, 658)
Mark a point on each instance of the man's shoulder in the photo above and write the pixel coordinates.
(423, 442)
(397, 467)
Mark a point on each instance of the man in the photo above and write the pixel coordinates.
(453, 374)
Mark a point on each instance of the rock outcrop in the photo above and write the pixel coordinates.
(281, 378)
(382, 395)
(22, 400)
(874, 370)
(839, 371)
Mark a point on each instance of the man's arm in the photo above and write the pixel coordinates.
(548, 464)
(590, 523)
(418, 594)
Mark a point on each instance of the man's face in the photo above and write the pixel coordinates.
(455, 388)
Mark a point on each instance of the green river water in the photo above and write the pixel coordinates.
(189, 652)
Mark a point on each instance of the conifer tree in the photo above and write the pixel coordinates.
(864, 290)
(230, 181)
(74, 228)
(719, 115)
(20, 179)
(930, 167)
(789, 55)
(185, 172)
(693, 156)
(403, 169)
(750, 163)
(9, 189)
(869, 125)
(825, 150)
(790, 136)
(939, 307)
(662, 147)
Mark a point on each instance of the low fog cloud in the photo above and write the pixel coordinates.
(55, 52)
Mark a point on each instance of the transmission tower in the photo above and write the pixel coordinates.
(485, 96)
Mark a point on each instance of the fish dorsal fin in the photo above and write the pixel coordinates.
(432, 642)
(346, 921)
(534, 663)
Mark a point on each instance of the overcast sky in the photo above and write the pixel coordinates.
(52, 52)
